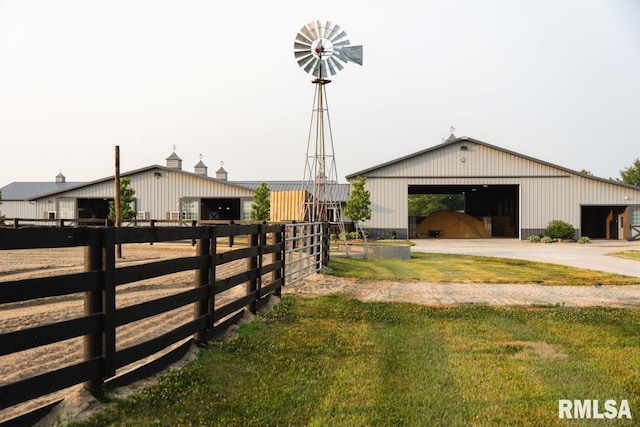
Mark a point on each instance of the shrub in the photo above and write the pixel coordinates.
(558, 229)
(352, 235)
(547, 239)
(584, 239)
(534, 238)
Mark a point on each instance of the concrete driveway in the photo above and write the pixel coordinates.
(591, 256)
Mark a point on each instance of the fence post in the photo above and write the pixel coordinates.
(252, 265)
(213, 251)
(325, 244)
(109, 300)
(293, 235)
(278, 273)
(152, 224)
(317, 244)
(262, 241)
(93, 305)
(201, 308)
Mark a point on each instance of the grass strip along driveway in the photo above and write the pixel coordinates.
(634, 255)
(432, 267)
(337, 361)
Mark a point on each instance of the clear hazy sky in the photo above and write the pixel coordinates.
(554, 79)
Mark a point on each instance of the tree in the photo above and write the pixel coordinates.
(126, 201)
(425, 204)
(261, 206)
(631, 174)
(358, 206)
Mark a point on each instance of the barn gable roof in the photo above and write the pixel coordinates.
(33, 190)
(135, 172)
(27, 191)
(453, 140)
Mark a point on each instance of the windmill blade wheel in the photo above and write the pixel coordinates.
(321, 46)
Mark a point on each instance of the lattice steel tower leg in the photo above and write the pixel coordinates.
(321, 174)
(322, 48)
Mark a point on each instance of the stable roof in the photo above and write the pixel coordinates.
(454, 140)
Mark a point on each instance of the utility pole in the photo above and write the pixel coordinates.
(118, 219)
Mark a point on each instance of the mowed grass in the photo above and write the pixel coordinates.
(336, 361)
(471, 269)
(634, 255)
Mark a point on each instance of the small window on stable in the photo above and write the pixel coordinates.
(189, 210)
(67, 209)
(246, 209)
(634, 217)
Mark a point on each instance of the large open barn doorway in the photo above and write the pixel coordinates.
(221, 208)
(495, 206)
(602, 222)
(93, 208)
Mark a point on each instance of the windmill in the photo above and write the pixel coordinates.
(322, 48)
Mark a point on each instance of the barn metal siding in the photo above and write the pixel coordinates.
(479, 160)
(20, 209)
(156, 194)
(159, 195)
(546, 192)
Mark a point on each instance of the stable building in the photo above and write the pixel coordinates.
(517, 194)
(161, 193)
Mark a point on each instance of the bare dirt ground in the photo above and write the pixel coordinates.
(15, 265)
(439, 294)
(23, 264)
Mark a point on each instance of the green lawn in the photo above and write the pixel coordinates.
(335, 361)
(471, 269)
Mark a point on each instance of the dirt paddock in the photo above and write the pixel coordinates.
(16, 265)
(26, 264)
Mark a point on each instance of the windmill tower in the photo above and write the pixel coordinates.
(321, 48)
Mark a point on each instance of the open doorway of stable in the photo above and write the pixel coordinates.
(603, 222)
(97, 208)
(496, 206)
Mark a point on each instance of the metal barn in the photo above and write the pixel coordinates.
(520, 194)
(161, 192)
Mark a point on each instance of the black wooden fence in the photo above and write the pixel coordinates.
(100, 281)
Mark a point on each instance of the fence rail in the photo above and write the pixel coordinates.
(264, 274)
(105, 222)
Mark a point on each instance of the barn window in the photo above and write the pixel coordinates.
(246, 209)
(634, 217)
(189, 209)
(67, 209)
